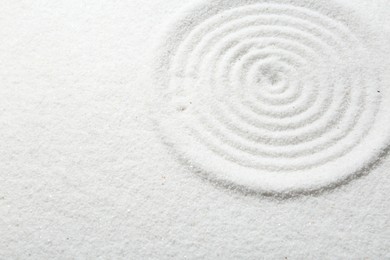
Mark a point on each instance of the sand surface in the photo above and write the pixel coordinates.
(194, 129)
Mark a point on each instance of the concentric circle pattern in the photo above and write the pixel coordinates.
(272, 96)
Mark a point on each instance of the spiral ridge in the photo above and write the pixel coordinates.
(272, 96)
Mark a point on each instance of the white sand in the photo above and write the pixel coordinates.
(270, 124)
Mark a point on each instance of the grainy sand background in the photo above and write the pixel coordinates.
(84, 175)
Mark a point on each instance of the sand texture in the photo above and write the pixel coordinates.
(193, 129)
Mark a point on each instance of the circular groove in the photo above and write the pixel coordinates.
(273, 97)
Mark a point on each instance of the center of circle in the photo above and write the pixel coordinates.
(269, 76)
